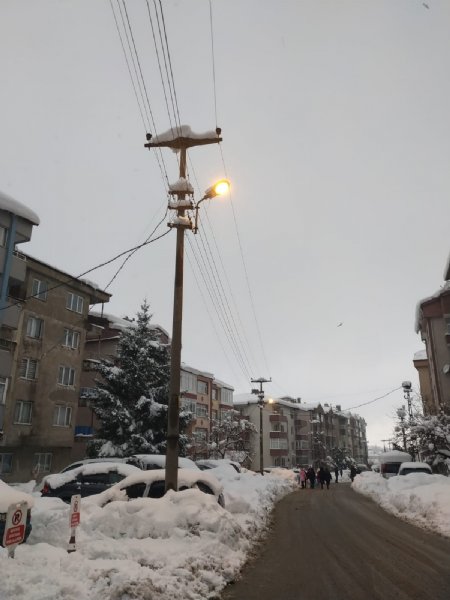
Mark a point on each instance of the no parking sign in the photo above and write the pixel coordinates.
(75, 506)
(16, 519)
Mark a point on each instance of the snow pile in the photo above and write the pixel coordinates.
(419, 498)
(182, 546)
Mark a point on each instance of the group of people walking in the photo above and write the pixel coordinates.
(322, 476)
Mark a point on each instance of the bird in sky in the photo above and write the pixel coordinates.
(426, 5)
(340, 324)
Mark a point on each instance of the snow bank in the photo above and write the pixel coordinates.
(419, 498)
(184, 546)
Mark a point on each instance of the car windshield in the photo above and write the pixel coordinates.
(419, 470)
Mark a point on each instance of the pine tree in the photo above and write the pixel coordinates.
(132, 397)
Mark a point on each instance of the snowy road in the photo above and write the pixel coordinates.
(339, 545)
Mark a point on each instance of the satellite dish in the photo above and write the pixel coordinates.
(446, 369)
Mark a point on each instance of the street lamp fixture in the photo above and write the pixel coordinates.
(220, 188)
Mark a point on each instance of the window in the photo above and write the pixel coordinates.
(6, 463)
(201, 410)
(278, 427)
(225, 414)
(280, 461)
(62, 415)
(66, 376)
(28, 368)
(188, 404)
(226, 396)
(71, 338)
(278, 444)
(74, 303)
(35, 327)
(22, 413)
(214, 415)
(214, 394)
(188, 382)
(202, 387)
(3, 388)
(200, 434)
(42, 462)
(39, 289)
(3, 236)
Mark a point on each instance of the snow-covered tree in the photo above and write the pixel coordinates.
(132, 395)
(231, 437)
(432, 436)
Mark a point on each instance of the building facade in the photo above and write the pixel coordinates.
(42, 397)
(298, 433)
(433, 325)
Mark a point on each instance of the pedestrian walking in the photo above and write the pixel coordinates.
(327, 476)
(352, 472)
(321, 477)
(302, 478)
(336, 474)
(311, 476)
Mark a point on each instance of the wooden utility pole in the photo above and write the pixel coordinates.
(260, 394)
(179, 139)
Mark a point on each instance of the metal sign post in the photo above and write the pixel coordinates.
(16, 519)
(74, 520)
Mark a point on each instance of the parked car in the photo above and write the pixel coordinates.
(151, 484)
(89, 479)
(87, 461)
(210, 463)
(148, 462)
(360, 468)
(414, 467)
(8, 496)
(390, 462)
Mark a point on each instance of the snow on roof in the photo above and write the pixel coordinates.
(415, 465)
(183, 131)
(419, 314)
(420, 354)
(222, 384)
(394, 456)
(447, 268)
(8, 496)
(185, 367)
(122, 324)
(182, 185)
(17, 208)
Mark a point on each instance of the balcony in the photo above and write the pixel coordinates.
(18, 266)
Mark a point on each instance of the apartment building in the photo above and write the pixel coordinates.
(433, 365)
(42, 399)
(209, 399)
(301, 433)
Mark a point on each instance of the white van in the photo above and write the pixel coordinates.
(390, 462)
(414, 467)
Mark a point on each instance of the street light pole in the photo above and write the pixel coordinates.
(178, 139)
(260, 393)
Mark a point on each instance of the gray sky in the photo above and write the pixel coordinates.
(337, 140)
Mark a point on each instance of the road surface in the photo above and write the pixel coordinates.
(338, 545)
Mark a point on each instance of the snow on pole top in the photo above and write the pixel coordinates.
(180, 186)
(183, 137)
(17, 208)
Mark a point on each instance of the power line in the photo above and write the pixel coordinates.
(375, 399)
(213, 59)
(103, 264)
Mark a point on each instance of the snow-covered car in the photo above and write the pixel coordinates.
(151, 484)
(87, 461)
(8, 496)
(414, 467)
(209, 463)
(148, 462)
(89, 479)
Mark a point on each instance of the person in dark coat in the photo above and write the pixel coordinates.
(336, 474)
(311, 476)
(327, 476)
(352, 472)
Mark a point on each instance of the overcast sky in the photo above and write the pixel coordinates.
(336, 128)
